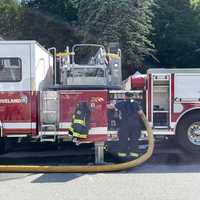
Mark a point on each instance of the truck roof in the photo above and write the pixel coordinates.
(18, 41)
(179, 70)
(34, 42)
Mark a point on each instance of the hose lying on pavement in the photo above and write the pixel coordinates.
(86, 168)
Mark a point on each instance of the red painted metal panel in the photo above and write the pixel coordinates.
(12, 107)
(186, 107)
(97, 101)
(18, 107)
(95, 138)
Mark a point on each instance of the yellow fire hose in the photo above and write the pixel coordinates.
(87, 169)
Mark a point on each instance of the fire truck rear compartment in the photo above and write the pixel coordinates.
(160, 98)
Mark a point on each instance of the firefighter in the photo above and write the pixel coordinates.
(129, 126)
(80, 121)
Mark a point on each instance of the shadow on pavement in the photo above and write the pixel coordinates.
(57, 178)
(169, 163)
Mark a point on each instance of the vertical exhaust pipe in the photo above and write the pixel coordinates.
(53, 51)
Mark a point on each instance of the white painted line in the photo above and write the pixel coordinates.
(24, 125)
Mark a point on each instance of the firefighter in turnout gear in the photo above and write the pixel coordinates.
(129, 126)
(80, 121)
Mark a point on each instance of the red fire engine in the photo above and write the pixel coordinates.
(40, 89)
(172, 103)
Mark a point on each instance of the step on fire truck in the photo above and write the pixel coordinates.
(40, 90)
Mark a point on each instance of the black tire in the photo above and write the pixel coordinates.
(183, 128)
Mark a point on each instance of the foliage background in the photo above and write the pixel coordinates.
(151, 33)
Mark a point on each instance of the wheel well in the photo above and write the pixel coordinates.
(187, 114)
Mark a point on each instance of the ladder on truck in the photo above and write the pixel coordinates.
(49, 115)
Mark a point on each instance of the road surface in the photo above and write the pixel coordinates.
(164, 177)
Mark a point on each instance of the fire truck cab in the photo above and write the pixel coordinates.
(25, 69)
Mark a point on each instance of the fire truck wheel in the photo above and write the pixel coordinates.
(188, 133)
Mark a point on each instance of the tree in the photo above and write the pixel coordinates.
(9, 18)
(195, 2)
(46, 29)
(125, 21)
(177, 34)
(64, 9)
(18, 22)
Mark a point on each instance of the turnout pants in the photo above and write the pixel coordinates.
(129, 135)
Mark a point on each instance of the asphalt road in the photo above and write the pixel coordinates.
(164, 177)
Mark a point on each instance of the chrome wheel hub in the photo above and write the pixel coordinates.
(194, 133)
